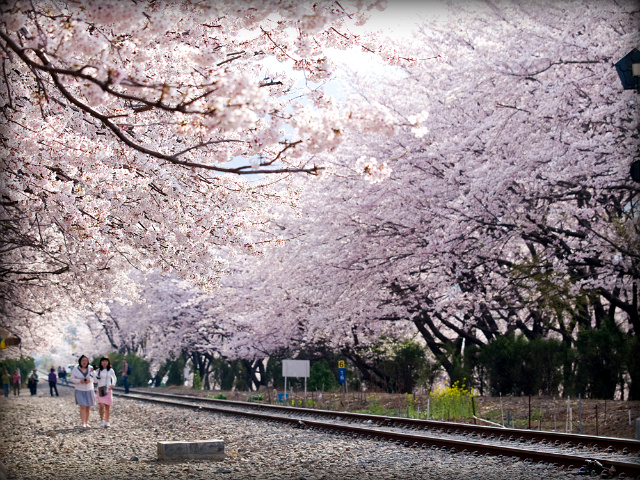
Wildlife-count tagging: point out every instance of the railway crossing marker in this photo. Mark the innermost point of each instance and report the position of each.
(342, 374)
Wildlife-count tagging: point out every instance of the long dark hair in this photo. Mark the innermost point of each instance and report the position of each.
(108, 363)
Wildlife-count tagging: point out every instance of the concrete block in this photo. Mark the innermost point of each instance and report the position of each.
(195, 450)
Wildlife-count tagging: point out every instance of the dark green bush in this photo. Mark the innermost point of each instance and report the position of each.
(24, 364)
(140, 373)
(600, 359)
(517, 366)
(632, 359)
(321, 377)
(197, 381)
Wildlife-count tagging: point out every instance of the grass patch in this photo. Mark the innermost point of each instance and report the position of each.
(220, 396)
(375, 408)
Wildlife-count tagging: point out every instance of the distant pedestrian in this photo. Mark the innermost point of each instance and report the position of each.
(81, 377)
(16, 380)
(6, 382)
(126, 370)
(53, 379)
(32, 383)
(106, 379)
(62, 376)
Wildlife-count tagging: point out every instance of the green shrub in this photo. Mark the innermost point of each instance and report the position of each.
(175, 372)
(140, 373)
(515, 365)
(220, 396)
(633, 366)
(407, 366)
(452, 402)
(24, 364)
(321, 377)
(197, 381)
(600, 359)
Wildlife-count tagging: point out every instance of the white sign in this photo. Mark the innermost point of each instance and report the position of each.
(296, 368)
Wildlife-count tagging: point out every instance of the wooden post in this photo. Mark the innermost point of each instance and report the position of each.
(580, 411)
(540, 421)
(529, 412)
(473, 405)
(570, 420)
(596, 420)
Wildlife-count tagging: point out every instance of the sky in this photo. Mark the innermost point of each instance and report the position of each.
(397, 21)
(400, 16)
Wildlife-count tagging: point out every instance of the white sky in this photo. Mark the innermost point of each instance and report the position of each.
(400, 16)
(397, 21)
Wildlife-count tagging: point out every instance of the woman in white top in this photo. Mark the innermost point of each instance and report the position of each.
(106, 379)
(81, 377)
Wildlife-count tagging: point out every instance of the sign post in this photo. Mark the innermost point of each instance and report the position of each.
(295, 368)
(342, 373)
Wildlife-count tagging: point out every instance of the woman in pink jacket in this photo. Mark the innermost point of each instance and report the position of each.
(106, 380)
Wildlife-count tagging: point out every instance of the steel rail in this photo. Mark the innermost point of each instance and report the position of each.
(593, 442)
(421, 440)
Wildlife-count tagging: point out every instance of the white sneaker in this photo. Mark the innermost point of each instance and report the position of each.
(106, 424)
(102, 423)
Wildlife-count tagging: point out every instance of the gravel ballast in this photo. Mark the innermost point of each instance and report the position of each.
(41, 438)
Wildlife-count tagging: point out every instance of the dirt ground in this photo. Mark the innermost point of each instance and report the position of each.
(547, 413)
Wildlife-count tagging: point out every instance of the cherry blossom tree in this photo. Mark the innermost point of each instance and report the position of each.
(121, 125)
(509, 204)
(506, 202)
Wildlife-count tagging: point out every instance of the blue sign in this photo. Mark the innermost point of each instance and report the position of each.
(342, 375)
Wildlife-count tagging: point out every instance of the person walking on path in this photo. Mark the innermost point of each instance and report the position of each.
(32, 383)
(53, 379)
(106, 379)
(126, 370)
(6, 382)
(16, 380)
(62, 375)
(81, 377)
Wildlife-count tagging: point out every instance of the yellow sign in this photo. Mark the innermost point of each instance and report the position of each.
(340, 363)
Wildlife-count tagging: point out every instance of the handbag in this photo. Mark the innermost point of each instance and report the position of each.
(102, 391)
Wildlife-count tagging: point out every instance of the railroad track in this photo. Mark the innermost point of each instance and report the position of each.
(606, 457)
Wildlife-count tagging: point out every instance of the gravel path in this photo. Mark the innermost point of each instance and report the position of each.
(41, 439)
